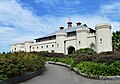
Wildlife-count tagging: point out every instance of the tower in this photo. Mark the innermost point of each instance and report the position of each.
(82, 37)
(60, 41)
(103, 38)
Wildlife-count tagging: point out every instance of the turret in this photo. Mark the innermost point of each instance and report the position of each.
(103, 38)
(60, 41)
(82, 34)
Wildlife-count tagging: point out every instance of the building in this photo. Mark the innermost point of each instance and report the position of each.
(69, 39)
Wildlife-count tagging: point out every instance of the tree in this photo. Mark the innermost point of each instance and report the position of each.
(116, 40)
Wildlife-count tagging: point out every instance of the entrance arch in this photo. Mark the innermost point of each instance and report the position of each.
(71, 49)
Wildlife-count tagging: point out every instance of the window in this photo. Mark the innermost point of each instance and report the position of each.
(79, 42)
(52, 51)
(47, 46)
(57, 45)
(41, 46)
(33, 47)
(15, 48)
(100, 39)
(37, 47)
(52, 45)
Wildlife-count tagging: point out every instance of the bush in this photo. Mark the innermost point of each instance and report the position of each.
(84, 51)
(15, 64)
(99, 69)
(106, 57)
(47, 54)
(83, 58)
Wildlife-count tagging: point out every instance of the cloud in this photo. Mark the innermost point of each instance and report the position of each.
(16, 22)
(113, 8)
(13, 14)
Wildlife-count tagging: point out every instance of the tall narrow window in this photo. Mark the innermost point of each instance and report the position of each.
(79, 42)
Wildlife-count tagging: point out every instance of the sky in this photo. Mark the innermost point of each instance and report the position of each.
(22, 20)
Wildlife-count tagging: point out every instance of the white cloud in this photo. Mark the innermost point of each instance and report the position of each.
(112, 8)
(17, 22)
(13, 14)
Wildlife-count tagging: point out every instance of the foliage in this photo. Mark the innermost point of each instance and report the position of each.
(15, 64)
(47, 54)
(116, 40)
(102, 64)
(99, 69)
(84, 51)
(83, 58)
(106, 57)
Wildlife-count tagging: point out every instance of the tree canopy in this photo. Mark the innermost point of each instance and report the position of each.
(116, 40)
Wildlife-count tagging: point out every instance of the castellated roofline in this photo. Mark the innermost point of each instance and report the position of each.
(103, 25)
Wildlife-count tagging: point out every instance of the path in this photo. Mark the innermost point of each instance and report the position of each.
(60, 75)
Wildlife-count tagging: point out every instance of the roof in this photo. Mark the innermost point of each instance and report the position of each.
(64, 30)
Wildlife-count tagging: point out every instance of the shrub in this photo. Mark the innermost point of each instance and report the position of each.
(83, 58)
(15, 64)
(99, 69)
(106, 57)
(47, 54)
(84, 51)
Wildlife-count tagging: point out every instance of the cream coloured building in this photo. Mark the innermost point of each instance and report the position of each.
(69, 39)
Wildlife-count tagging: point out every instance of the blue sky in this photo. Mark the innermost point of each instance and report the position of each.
(22, 20)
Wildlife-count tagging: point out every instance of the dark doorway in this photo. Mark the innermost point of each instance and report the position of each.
(71, 49)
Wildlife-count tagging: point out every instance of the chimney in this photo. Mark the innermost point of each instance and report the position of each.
(78, 23)
(69, 23)
(85, 25)
(61, 28)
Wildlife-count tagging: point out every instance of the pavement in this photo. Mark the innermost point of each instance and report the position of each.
(55, 74)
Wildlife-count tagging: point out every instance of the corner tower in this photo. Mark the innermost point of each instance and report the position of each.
(103, 38)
